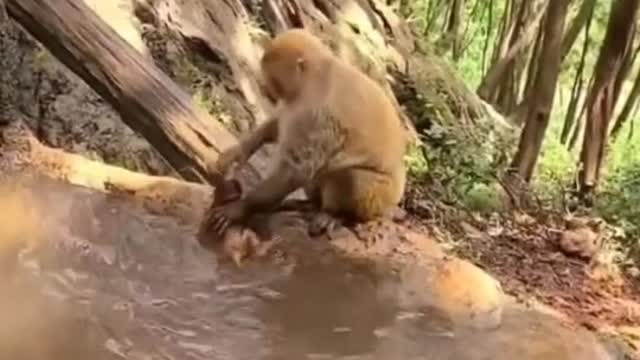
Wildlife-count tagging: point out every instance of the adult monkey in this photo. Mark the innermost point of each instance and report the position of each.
(338, 137)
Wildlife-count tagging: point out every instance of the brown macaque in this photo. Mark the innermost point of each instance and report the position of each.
(238, 241)
(338, 137)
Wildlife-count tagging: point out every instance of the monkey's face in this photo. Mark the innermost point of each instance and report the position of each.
(283, 75)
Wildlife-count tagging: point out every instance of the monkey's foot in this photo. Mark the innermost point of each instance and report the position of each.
(323, 223)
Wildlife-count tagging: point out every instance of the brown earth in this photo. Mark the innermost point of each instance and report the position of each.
(523, 253)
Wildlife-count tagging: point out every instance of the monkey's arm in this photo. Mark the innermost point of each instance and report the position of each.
(248, 145)
(302, 154)
(306, 149)
(267, 132)
(267, 194)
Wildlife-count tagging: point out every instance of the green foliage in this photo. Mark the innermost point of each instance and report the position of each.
(476, 29)
(620, 189)
(484, 198)
(456, 166)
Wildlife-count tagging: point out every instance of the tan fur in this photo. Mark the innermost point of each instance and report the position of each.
(338, 135)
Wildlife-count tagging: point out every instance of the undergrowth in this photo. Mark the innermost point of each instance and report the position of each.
(447, 162)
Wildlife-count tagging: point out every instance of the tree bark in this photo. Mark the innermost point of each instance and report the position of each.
(539, 109)
(571, 120)
(578, 23)
(601, 98)
(629, 105)
(454, 28)
(148, 101)
(498, 70)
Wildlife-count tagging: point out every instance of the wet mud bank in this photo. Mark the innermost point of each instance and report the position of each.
(128, 284)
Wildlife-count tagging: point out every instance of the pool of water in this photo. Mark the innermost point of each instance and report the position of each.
(111, 281)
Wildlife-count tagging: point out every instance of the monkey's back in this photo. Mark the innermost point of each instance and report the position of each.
(374, 134)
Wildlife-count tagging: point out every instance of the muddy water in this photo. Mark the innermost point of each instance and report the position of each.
(110, 281)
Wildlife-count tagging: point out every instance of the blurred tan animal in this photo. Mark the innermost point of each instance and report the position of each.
(238, 241)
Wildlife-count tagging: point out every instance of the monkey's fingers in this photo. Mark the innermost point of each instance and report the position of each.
(211, 218)
(220, 224)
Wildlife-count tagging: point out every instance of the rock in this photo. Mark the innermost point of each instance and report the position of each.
(459, 290)
(466, 292)
(582, 242)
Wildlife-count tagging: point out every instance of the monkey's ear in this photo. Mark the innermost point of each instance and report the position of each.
(301, 64)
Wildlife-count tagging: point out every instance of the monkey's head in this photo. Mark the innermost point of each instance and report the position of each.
(288, 60)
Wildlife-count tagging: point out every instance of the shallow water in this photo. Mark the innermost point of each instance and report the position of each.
(114, 282)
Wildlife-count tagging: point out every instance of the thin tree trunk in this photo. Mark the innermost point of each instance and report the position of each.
(533, 64)
(578, 23)
(433, 13)
(540, 106)
(454, 28)
(148, 100)
(466, 39)
(602, 99)
(496, 73)
(505, 30)
(627, 64)
(485, 48)
(570, 119)
(628, 107)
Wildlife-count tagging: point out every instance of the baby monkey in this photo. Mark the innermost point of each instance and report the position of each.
(338, 137)
(238, 242)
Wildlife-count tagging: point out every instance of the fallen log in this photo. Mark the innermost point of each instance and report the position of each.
(147, 99)
(20, 149)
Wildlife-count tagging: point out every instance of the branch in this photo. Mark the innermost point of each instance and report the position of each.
(147, 100)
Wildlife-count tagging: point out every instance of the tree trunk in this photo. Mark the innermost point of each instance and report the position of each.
(584, 15)
(571, 120)
(148, 101)
(601, 98)
(487, 39)
(629, 105)
(539, 108)
(499, 69)
(454, 28)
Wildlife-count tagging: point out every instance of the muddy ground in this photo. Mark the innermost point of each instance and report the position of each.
(529, 263)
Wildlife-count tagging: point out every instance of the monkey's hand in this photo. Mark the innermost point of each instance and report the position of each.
(219, 218)
(234, 154)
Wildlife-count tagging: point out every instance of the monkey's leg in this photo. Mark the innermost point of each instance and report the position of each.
(362, 195)
(319, 220)
(356, 196)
